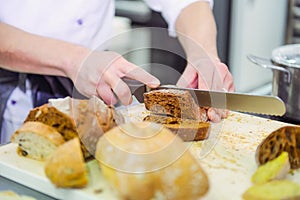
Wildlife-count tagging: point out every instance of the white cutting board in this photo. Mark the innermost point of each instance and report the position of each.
(227, 157)
(30, 173)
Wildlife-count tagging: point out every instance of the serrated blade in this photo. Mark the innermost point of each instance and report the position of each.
(249, 103)
(259, 104)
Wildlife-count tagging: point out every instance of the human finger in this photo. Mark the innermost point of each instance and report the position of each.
(227, 77)
(214, 115)
(224, 113)
(188, 79)
(139, 74)
(106, 94)
(119, 87)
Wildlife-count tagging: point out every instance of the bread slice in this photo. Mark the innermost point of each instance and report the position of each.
(66, 167)
(37, 140)
(187, 130)
(286, 139)
(175, 103)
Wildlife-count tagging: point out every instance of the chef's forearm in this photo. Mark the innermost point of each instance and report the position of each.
(196, 24)
(24, 52)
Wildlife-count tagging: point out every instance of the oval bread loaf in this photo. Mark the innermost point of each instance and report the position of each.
(146, 160)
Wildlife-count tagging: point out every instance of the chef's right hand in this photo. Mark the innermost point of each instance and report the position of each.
(208, 74)
(100, 75)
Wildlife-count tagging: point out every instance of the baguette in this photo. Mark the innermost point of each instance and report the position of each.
(37, 140)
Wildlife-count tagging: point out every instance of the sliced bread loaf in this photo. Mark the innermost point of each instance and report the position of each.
(175, 103)
(37, 140)
(286, 139)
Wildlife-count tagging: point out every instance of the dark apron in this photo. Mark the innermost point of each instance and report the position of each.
(43, 88)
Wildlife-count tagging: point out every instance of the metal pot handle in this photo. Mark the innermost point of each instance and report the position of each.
(266, 63)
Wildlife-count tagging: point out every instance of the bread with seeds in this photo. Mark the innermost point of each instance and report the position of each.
(37, 140)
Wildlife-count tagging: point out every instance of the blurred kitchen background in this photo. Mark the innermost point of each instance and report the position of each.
(244, 27)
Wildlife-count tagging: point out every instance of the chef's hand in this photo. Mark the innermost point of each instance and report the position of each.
(100, 75)
(210, 74)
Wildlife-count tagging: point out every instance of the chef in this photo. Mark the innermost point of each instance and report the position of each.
(44, 45)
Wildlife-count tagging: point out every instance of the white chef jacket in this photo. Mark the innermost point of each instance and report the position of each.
(87, 23)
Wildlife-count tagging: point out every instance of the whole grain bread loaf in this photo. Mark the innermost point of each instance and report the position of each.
(187, 130)
(286, 139)
(177, 110)
(66, 167)
(53, 117)
(37, 140)
(175, 103)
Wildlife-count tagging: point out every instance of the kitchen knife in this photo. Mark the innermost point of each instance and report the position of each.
(259, 104)
(250, 103)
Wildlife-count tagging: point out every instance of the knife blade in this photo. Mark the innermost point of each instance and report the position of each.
(249, 103)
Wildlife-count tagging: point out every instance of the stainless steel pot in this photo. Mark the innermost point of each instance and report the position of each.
(285, 64)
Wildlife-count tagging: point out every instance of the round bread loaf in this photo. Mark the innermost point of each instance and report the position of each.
(146, 160)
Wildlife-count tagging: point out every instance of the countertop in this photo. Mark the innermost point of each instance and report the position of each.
(6, 184)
